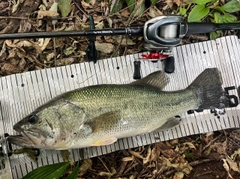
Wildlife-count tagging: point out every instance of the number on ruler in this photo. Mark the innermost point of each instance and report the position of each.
(233, 99)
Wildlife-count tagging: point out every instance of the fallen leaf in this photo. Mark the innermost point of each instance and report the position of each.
(9, 69)
(233, 165)
(236, 152)
(148, 157)
(104, 47)
(54, 8)
(71, 49)
(155, 154)
(99, 25)
(135, 154)
(108, 174)
(125, 13)
(87, 164)
(154, 12)
(225, 165)
(50, 56)
(190, 145)
(43, 42)
(178, 175)
(110, 22)
(16, 5)
(65, 7)
(3, 50)
(124, 40)
(127, 159)
(169, 3)
(47, 14)
(85, 4)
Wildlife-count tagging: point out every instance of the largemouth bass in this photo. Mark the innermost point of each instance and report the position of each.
(99, 115)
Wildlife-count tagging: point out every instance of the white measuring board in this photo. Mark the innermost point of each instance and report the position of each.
(22, 93)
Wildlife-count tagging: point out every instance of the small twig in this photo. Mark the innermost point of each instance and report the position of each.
(131, 167)
(122, 168)
(80, 9)
(12, 17)
(210, 143)
(197, 162)
(104, 164)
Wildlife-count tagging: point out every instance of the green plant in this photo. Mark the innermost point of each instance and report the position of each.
(53, 171)
(131, 4)
(211, 10)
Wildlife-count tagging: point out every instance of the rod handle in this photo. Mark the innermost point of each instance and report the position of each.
(198, 28)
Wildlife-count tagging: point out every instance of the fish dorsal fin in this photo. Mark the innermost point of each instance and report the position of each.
(157, 79)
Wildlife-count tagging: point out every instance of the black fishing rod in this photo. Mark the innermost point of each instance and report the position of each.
(131, 31)
(160, 34)
(159, 24)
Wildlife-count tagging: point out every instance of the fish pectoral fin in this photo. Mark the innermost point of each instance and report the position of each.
(105, 141)
(170, 123)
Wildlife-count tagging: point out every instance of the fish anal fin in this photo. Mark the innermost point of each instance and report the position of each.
(158, 79)
(105, 141)
(171, 122)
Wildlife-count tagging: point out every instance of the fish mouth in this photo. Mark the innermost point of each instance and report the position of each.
(20, 140)
(28, 138)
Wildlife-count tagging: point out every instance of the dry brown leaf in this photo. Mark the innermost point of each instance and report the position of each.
(43, 42)
(154, 12)
(124, 40)
(47, 14)
(178, 2)
(225, 165)
(232, 164)
(98, 19)
(135, 154)
(16, 5)
(87, 164)
(22, 63)
(108, 174)
(3, 50)
(148, 157)
(71, 49)
(85, 5)
(110, 22)
(169, 3)
(50, 56)
(12, 53)
(9, 69)
(127, 159)
(125, 13)
(99, 25)
(155, 154)
(178, 175)
(190, 145)
(237, 152)
(184, 167)
(104, 47)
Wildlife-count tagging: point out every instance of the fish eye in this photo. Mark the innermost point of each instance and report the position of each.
(32, 119)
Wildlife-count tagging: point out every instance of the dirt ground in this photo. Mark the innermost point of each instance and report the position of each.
(205, 156)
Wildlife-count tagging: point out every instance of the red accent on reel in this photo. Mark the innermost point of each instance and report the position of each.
(154, 55)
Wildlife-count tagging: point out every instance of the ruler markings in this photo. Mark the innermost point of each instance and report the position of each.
(228, 65)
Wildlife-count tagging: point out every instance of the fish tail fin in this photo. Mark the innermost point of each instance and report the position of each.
(208, 88)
